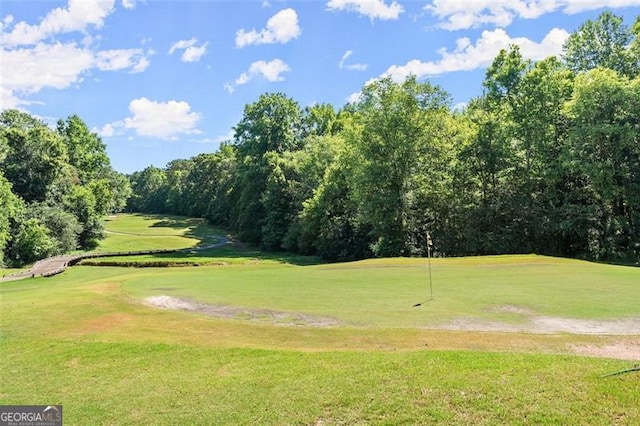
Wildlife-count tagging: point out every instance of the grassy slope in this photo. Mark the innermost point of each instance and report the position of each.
(80, 339)
(137, 232)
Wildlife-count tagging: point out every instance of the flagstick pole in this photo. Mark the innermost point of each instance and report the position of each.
(429, 245)
(430, 284)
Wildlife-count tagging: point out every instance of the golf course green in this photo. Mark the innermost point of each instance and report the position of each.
(266, 338)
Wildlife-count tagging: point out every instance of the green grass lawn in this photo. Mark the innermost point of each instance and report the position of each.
(131, 232)
(85, 340)
(381, 292)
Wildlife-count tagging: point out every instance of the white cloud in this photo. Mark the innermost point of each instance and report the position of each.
(182, 44)
(109, 130)
(32, 58)
(370, 8)
(77, 16)
(164, 120)
(128, 4)
(120, 59)
(59, 66)
(8, 100)
(192, 53)
(577, 6)
(467, 56)
(458, 15)
(270, 71)
(229, 87)
(350, 67)
(281, 28)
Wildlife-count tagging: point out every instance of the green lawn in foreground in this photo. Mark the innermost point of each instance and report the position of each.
(84, 339)
(129, 383)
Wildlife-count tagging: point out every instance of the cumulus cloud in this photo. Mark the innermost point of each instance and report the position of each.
(31, 69)
(191, 52)
(59, 65)
(109, 130)
(374, 9)
(120, 59)
(32, 59)
(577, 6)
(467, 56)
(77, 16)
(281, 28)
(270, 71)
(164, 120)
(457, 15)
(351, 67)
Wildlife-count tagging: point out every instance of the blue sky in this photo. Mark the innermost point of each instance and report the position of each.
(160, 80)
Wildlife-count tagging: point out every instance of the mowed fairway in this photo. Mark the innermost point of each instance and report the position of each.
(263, 341)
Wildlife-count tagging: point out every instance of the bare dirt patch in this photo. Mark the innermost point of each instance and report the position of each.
(624, 333)
(549, 325)
(234, 312)
(627, 349)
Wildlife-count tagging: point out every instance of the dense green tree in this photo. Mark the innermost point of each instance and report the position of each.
(10, 207)
(31, 242)
(62, 226)
(391, 137)
(36, 155)
(149, 190)
(603, 43)
(177, 172)
(270, 125)
(320, 120)
(539, 130)
(82, 203)
(87, 153)
(64, 181)
(545, 160)
(329, 223)
(605, 155)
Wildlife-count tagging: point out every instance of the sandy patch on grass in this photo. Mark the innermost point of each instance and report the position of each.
(233, 312)
(627, 349)
(549, 325)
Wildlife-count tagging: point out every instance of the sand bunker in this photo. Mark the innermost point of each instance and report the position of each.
(233, 312)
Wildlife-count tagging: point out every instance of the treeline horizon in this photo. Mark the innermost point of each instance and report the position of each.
(546, 160)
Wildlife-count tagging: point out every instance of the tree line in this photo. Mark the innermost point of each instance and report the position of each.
(546, 160)
(56, 185)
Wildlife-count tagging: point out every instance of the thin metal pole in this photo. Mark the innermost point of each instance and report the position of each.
(429, 245)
